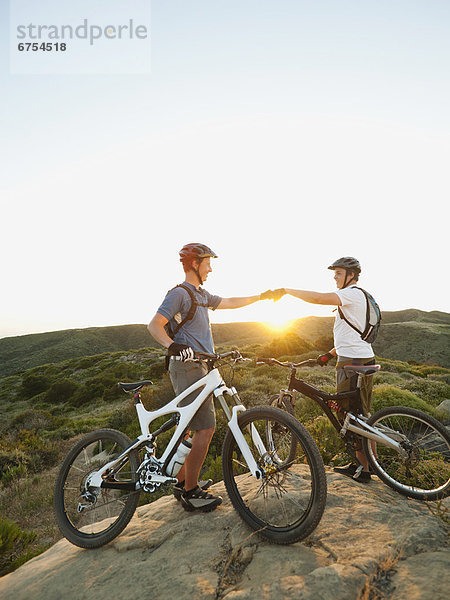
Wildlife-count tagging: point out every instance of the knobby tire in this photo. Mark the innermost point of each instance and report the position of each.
(286, 504)
(424, 473)
(107, 517)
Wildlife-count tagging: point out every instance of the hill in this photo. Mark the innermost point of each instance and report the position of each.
(404, 335)
(27, 351)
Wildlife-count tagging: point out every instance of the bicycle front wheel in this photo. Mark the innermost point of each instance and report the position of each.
(421, 469)
(91, 517)
(286, 504)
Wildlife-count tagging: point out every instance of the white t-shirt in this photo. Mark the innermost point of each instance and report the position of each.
(347, 341)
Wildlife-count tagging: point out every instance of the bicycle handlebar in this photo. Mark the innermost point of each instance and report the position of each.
(235, 354)
(312, 362)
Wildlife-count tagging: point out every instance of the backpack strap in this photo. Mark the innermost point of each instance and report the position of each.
(191, 311)
(341, 314)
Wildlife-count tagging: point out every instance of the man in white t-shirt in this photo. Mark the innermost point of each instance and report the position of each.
(349, 348)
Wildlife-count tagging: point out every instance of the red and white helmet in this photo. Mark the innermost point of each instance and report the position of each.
(196, 251)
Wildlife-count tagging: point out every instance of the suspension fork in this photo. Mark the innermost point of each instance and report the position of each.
(236, 431)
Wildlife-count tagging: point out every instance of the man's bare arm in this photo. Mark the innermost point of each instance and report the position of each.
(156, 329)
(238, 302)
(316, 297)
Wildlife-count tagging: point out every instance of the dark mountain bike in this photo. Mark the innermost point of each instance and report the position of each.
(408, 449)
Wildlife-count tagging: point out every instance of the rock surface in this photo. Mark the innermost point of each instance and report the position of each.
(444, 407)
(371, 543)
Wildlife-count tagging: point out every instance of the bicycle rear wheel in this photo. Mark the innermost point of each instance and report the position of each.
(91, 517)
(287, 503)
(424, 470)
(284, 403)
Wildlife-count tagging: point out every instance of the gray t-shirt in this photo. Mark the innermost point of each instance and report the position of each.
(195, 333)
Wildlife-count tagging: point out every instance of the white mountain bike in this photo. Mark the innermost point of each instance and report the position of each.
(278, 493)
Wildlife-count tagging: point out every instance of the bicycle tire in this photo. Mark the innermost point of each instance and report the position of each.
(424, 474)
(110, 510)
(285, 404)
(287, 503)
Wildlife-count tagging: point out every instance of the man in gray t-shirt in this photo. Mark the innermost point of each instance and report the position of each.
(196, 332)
(193, 336)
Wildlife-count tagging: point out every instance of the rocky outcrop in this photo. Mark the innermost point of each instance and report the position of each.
(371, 543)
(444, 408)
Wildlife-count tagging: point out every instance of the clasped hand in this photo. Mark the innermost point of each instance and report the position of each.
(273, 294)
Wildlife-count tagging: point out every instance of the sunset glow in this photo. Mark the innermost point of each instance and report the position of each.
(280, 326)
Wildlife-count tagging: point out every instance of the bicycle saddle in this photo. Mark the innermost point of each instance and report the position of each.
(362, 369)
(134, 387)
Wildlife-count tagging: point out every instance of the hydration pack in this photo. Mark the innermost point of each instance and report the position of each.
(373, 318)
(190, 314)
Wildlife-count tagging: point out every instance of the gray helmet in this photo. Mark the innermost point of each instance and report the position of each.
(346, 262)
(195, 250)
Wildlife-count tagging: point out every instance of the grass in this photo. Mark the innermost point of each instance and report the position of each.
(379, 586)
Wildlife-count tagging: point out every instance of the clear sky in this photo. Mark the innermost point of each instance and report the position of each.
(282, 133)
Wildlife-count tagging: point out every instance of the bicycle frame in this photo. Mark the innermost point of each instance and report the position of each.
(352, 422)
(212, 383)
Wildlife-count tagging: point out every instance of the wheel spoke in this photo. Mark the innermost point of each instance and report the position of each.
(279, 503)
(425, 471)
(92, 517)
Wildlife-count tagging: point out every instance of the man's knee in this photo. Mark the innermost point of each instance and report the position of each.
(204, 435)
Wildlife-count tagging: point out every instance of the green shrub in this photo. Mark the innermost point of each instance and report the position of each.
(61, 391)
(289, 344)
(306, 409)
(91, 391)
(86, 362)
(13, 546)
(41, 453)
(11, 459)
(431, 391)
(156, 396)
(13, 473)
(33, 384)
(326, 438)
(156, 370)
(111, 393)
(212, 468)
(419, 370)
(126, 371)
(388, 395)
(123, 417)
(425, 370)
(31, 419)
(324, 342)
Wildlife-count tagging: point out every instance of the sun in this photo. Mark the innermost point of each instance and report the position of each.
(278, 325)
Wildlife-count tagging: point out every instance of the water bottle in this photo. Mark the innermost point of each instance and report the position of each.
(177, 460)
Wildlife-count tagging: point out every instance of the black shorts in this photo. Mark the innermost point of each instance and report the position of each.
(184, 374)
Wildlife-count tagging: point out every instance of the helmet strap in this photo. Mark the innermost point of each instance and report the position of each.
(347, 273)
(198, 276)
(197, 272)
